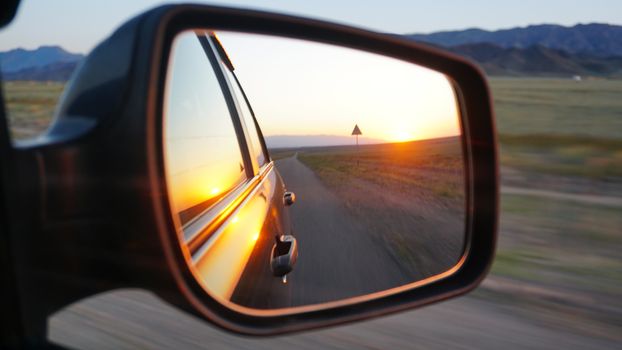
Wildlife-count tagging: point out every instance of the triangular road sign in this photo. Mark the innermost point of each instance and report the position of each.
(356, 130)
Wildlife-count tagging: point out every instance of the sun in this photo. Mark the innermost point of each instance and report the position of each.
(401, 135)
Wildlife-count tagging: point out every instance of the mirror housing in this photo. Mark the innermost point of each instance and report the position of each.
(89, 210)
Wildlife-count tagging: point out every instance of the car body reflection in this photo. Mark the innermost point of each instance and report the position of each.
(224, 257)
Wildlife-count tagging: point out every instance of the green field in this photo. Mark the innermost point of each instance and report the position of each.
(560, 126)
(564, 136)
(530, 106)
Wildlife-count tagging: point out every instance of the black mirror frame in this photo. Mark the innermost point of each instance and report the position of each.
(8, 9)
(92, 190)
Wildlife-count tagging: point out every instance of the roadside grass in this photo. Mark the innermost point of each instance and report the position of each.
(561, 228)
(559, 126)
(280, 153)
(584, 156)
(528, 106)
(434, 166)
(559, 263)
(30, 106)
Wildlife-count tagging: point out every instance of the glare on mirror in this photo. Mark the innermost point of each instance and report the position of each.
(358, 189)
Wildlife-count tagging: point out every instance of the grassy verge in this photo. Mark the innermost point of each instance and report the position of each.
(584, 156)
(433, 167)
(30, 106)
(558, 107)
(277, 154)
(558, 262)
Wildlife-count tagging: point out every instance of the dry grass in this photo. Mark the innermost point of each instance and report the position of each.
(583, 156)
(427, 168)
(30, 106)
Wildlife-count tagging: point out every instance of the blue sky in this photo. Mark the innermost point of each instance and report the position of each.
(79, 25)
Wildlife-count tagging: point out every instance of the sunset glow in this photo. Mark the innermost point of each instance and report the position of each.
(194, 123)
(401, 136)
(224, 261)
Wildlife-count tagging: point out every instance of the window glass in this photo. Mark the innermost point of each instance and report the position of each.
(203, 157)
(248, 120)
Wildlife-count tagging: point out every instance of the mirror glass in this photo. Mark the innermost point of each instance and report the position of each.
(301, 173)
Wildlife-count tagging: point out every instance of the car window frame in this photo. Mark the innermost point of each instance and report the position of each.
(245, 175)
(200, 228)
(226, 64)
(247, 118)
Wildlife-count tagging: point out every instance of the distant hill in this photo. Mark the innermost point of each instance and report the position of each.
(44, 63)
(59, 71)
(287, 141)
(538, 60)
(595, 39)
(539, 50)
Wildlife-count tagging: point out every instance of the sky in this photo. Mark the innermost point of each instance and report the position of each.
(302, 88)
(78, 25)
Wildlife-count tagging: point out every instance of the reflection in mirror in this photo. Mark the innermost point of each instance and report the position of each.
(364, 190)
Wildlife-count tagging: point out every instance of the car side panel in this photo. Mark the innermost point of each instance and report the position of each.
(257, 287)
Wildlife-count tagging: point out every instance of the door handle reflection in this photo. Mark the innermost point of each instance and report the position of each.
(284, 256)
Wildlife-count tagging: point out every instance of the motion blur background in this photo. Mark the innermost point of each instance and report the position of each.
(557, 278)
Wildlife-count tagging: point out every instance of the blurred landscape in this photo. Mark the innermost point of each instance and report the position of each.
(30, 106)
(558, 260)
(557, 277)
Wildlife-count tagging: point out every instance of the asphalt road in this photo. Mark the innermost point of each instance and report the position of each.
(131, 319)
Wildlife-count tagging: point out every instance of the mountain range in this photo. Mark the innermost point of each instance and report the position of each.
(595, 39)
(542, 50)
(539, 50)
(43, 63)
(538, 60)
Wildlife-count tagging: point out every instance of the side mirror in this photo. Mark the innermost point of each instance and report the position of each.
(132, 187)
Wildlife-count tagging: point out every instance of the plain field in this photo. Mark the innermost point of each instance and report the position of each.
(558, 262)
(30, 106)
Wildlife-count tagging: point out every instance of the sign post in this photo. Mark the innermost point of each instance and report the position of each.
(357, 132)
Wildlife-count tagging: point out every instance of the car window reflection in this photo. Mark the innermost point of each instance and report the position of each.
(204, 161)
